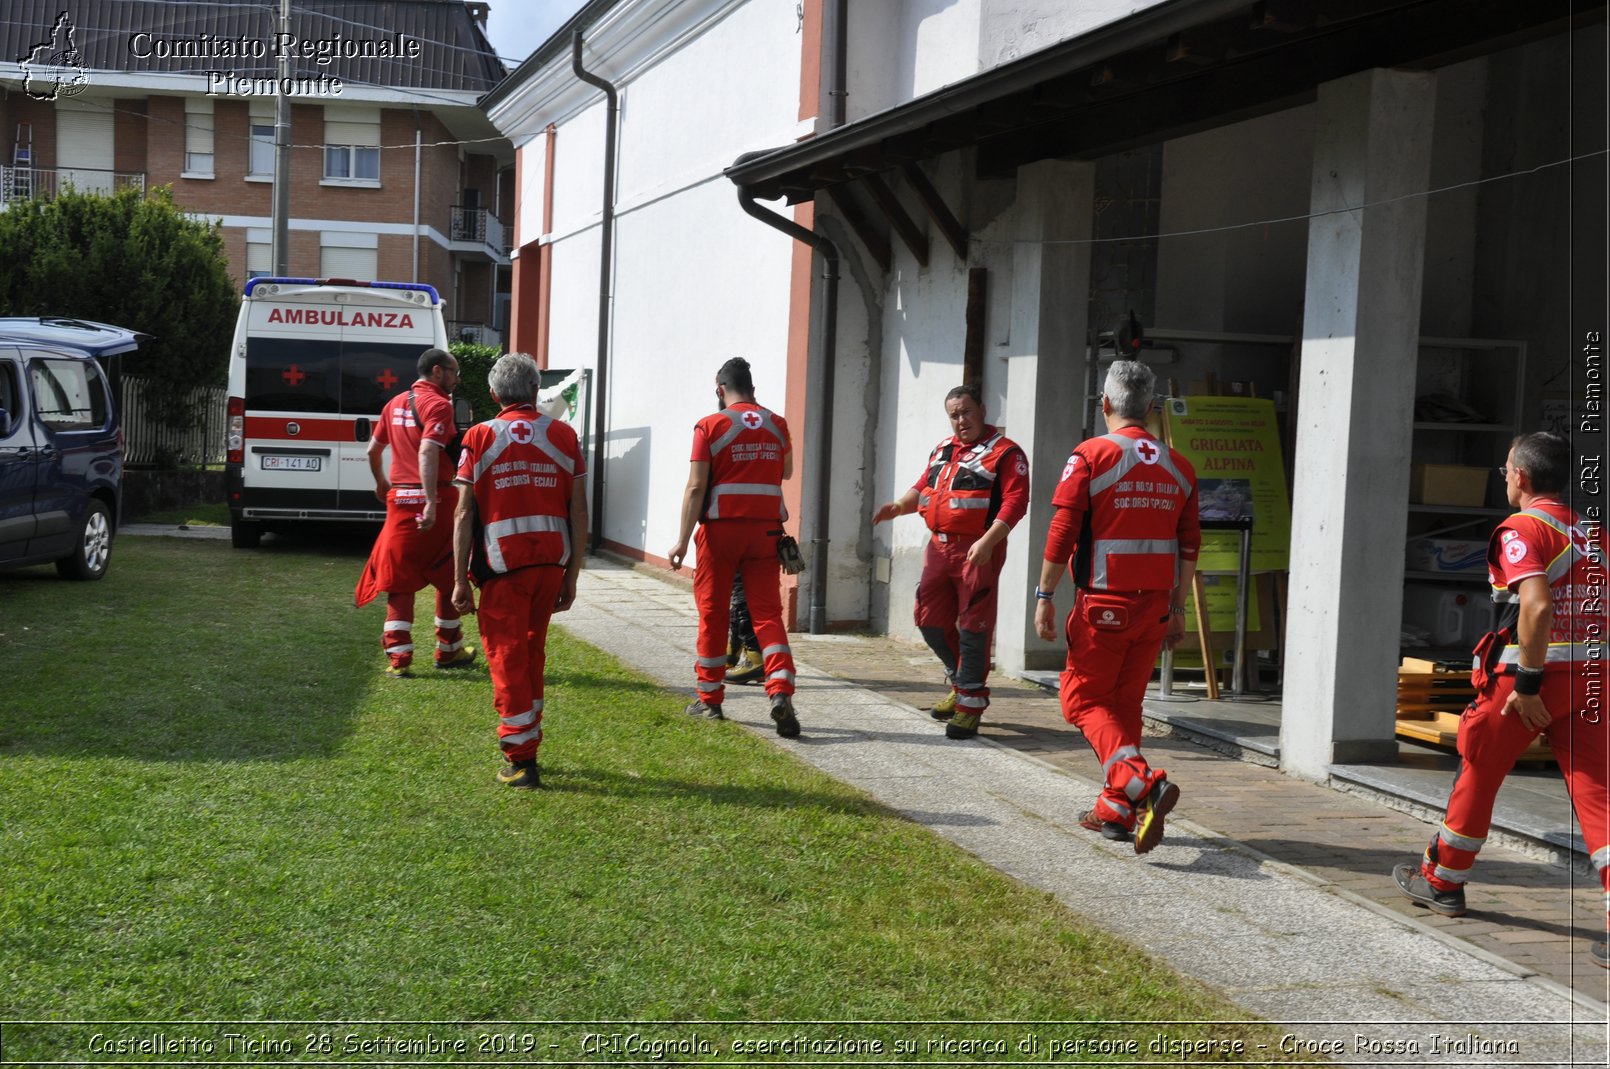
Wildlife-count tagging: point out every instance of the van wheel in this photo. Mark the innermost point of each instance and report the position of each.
(93, 553)
(244, 534)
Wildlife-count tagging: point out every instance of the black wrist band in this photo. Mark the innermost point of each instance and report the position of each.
(1528, 681)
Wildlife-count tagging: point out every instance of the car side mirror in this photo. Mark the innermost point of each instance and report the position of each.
(463, 413)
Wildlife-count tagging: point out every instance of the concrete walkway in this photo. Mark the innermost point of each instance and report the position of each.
(1274, 891)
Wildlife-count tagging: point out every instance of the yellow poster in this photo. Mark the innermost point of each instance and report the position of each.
(1221, 601)
(1234, 444)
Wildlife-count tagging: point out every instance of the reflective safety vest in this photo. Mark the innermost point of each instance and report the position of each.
(747, 446)
(521, 467)
(1130, 539)
(963, 493)
(1575, 569)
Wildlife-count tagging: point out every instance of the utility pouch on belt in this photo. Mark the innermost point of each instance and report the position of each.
(1485, 664)
(788, 555)
(1104, 614)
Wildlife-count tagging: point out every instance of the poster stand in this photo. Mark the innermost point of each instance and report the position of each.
(1234, 438)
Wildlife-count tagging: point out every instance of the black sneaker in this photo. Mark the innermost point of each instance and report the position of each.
(1599, 954)
(1157, 804)
(1412, 882)
(782, 712)
(522, 774)
(704, 710)
(1109, 829)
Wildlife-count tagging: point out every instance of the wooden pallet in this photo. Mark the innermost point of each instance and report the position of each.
(1430, 699)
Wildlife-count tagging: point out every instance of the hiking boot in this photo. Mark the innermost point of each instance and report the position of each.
(1416, 888)
(1109, 829)
(962, 726)
(1153, 808)
(945, 707)
(704, 710)
(732, 654)
(398, 671)
(750, 667)
(462, 657)
(1599, 954)
(782, 713)
(522, 774)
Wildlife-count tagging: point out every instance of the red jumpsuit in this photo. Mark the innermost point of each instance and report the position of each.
(1545, 539)
(744, 445)
(1127, 502)
(521, 468)
(404, 558)
(963, 490)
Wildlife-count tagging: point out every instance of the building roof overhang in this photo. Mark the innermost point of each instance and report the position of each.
(1172, 69)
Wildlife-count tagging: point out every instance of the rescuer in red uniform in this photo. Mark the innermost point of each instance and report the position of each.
(973, 491)
(741, 455)
(413, 550)
(519, 531)
(1126, 524)
(1543, 670)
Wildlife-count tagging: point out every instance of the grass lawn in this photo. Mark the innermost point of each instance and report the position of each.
(214, 807)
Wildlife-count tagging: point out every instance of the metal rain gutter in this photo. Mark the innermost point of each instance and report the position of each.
(605, 262)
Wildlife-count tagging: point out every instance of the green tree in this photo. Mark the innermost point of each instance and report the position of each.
(134, 260)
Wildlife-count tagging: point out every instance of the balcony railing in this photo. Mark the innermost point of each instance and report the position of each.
(25, 183)
(478, 225)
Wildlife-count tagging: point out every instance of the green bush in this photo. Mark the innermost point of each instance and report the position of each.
(136, 261)
(474, 363)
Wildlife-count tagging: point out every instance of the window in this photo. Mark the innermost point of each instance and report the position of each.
(348, 255)
(261, 161)
(259, 253)
(352, 161)
(352, 145)
(67, 396)
(198, 137)
(10, 411)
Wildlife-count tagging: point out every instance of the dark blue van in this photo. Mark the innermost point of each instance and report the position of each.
(61, 447)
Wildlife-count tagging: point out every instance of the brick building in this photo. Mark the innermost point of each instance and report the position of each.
(395, 173)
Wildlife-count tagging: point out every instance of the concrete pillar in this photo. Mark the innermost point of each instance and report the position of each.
(1045, 379)
(1361, 320)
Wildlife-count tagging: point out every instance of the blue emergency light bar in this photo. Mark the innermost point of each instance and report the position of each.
(420, 287)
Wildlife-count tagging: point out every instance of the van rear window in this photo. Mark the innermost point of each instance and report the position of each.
(301, 375)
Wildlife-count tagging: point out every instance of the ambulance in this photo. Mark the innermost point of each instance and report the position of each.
(313, 362)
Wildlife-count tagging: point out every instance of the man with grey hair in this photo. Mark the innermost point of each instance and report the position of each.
(1126, 524)
(519, 531)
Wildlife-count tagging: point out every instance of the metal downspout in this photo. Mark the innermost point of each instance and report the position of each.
(605, 257)
(823, 461)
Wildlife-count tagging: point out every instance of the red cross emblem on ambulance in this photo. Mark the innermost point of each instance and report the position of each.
(521, 431)
(752, 420)
(1147, 452)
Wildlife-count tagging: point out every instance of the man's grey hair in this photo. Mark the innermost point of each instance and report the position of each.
(1130, 385)
(515, 379)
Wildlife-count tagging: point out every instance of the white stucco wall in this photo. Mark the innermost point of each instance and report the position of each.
(702, 282)
(1010, 29)
(903, 49)
(695, 280)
